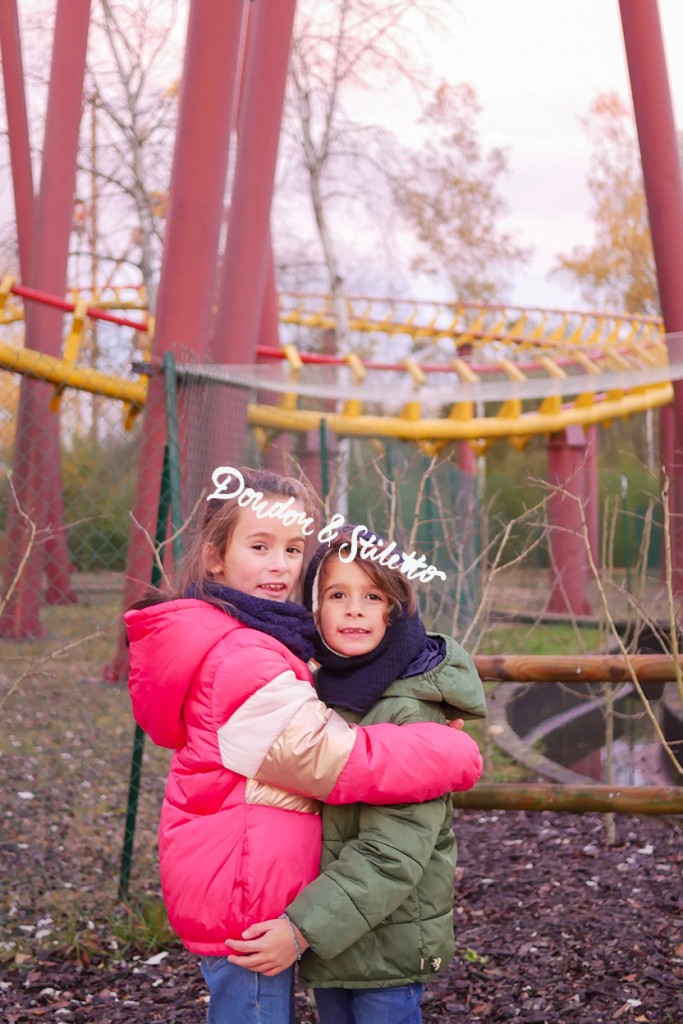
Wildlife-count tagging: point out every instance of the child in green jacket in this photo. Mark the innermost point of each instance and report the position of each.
(379, 918)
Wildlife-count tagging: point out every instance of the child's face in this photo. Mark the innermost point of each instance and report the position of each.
(263, 557)
(353, 611)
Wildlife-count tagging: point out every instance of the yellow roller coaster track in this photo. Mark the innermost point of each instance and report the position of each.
(459, 372)
(468, 325)
(445, 372)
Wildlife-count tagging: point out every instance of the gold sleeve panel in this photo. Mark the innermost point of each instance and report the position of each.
(310, 752)
(268, 796)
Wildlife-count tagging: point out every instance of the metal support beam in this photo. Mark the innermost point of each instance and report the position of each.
(200, 160)
(592, 479)
(567, 537)
(245, 264)
(36, 461)
(664, 192)
(17, 130)
(189, 271)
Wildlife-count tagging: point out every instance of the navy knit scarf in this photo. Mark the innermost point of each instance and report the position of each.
(357, 683)
(286, 621)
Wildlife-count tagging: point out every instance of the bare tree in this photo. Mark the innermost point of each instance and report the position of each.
(616, 270)
(340, 52)
(128, 143)
(447, 191)
(127, 132)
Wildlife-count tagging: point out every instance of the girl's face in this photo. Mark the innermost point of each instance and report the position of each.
(353, 611)
(263, 557)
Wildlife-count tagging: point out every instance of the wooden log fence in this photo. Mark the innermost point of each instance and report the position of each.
(593, 797)
(587, 668)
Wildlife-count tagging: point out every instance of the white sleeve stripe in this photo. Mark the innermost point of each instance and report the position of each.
(247, 736)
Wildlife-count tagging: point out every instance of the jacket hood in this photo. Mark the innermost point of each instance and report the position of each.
(454, 683)
(168, 642)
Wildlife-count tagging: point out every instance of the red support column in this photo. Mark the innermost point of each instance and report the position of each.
(247, 247)
(50, 253)
(664, 192)
(36, 459)
(17, 130)
(567, 537)
(467, 460)
(592, 480)
(187, 288)
(277, 455)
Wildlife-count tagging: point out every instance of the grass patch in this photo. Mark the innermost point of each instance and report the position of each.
(142, 926)
(541, 638)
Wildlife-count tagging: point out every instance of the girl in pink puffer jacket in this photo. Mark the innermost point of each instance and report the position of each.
(218, 674)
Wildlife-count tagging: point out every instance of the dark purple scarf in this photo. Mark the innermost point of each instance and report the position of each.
(357, 683)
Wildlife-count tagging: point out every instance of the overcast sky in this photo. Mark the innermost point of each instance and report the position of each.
(537, 65)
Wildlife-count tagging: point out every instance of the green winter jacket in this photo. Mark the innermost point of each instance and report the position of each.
(381, 912)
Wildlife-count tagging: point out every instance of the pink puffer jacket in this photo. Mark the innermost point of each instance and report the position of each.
(254, 750)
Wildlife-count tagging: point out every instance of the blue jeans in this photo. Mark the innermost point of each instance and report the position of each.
(399, 1005)
(239, 996)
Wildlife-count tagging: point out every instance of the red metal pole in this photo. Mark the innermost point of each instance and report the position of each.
(187, 288)
(36, 460)
(467, 460)
(200, 161)
(50, 251)
(592, 483)
(277, 455)
(664, 192)
(54, 211)
(247, 247)
(567, 537)
(17, 129)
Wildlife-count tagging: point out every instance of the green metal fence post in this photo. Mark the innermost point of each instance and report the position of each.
(324, 466)
(170, 499)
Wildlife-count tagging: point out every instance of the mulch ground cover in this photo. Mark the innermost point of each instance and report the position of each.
(553, 927)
